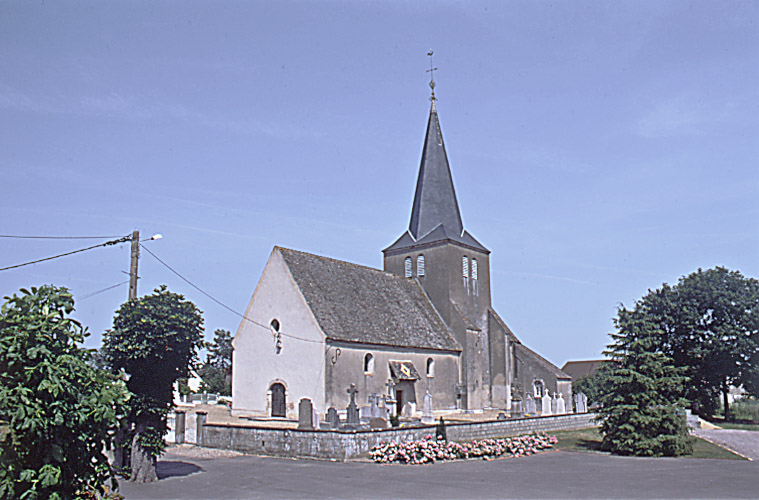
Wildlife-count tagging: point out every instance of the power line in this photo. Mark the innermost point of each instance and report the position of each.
(91, 294)
(107, 243)
(57, 237)
(196, 287)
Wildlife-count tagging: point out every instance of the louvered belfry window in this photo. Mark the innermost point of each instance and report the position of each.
(420, 265)
(465, 266)
(408, 267)
(474, 269)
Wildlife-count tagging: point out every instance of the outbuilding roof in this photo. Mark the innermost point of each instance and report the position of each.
(359, 304)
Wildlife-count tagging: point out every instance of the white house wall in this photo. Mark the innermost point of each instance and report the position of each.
(256, 365)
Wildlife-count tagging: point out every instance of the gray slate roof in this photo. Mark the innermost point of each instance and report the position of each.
(523, 352)
(435, 214)
(354, 303)
(435, 198)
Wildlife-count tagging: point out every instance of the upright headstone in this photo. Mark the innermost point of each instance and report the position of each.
(427, 416)
(561, 405)
(305, 414)
(365, 413)
(581, 403)
(333, 418)
(516, 407)
(375, 410)
(530, 406)
(352, 410)
(179, 426)
(554, 404)
(546, 402)
(200, 422)
(314, 418)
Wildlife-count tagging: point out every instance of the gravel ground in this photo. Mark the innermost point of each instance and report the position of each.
(745, 443)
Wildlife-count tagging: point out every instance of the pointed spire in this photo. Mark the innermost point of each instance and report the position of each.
(435, 199)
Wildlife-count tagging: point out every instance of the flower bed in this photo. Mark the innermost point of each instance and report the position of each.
(429, 450)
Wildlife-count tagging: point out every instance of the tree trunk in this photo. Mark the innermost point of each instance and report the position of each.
(725, 391)
(143, 463)
(120, 459)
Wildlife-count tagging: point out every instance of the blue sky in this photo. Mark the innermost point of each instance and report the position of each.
(598, 149)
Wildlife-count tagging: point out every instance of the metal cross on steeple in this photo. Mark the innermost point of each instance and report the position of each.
(431, 71)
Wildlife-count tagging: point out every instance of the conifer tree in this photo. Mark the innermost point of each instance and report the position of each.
(640, 413)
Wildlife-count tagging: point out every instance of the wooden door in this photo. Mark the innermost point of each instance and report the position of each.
(278, 403)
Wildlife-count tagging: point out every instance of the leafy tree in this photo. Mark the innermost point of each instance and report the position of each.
(56, 408)
(155, 340)
(216, 372)
(709, 325)
(639, 414)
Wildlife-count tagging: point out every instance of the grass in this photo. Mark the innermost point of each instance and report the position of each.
(590, 440)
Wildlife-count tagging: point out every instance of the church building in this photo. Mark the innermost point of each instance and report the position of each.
(424, 323)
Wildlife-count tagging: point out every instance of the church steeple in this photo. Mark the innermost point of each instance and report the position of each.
(435, 199)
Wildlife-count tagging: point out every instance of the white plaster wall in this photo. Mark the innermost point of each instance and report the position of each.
(256, 365)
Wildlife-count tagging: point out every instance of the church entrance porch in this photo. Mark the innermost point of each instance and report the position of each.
(404, 376)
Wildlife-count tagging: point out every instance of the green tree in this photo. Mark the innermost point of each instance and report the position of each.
(56, 408)
(709, 325)
(639, 414)
(216, 372)
(155, 340)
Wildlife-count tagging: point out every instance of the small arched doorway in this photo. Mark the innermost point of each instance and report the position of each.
(278, 402)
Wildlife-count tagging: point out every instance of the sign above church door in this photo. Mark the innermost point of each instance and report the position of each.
(403, 370)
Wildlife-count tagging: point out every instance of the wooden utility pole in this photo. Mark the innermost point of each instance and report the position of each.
(133, 265)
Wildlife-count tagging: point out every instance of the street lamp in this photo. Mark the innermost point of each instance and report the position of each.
(134, 258)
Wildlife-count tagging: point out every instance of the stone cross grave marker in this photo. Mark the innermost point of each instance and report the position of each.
(554, 404)
(353, 416)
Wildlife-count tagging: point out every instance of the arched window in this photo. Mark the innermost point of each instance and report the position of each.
(538, 388)
(368, 364)
(430, 367)
(274, 327)
(408, 267)
(465, 266)
(420, 265)
(474, 269)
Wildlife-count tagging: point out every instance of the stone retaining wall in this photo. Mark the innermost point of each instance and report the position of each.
(342, 446)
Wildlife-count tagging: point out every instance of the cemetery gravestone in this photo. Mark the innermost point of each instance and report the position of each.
(305, 414)
(333, 418)
(546, 401)
(554, 404)
(561, 405)
(353, 415)
(427, 416)
(530, 408)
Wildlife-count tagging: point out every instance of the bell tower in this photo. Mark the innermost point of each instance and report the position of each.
(449, 263)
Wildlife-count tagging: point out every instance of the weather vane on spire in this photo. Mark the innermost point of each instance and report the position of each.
(431, 71)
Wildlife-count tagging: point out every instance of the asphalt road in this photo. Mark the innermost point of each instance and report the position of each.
(547, 475)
